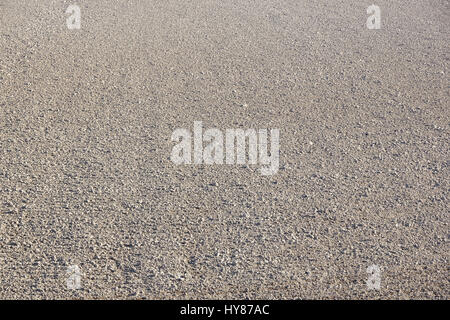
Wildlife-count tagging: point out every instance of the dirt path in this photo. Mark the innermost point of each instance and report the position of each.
(86, 118)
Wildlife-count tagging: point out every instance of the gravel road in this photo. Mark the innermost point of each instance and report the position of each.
(86, 179)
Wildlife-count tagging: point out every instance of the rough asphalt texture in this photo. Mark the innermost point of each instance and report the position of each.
(86, 118)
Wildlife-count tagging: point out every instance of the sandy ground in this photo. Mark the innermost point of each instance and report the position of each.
(86, 118)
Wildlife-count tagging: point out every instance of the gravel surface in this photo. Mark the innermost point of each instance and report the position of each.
(86, 118)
